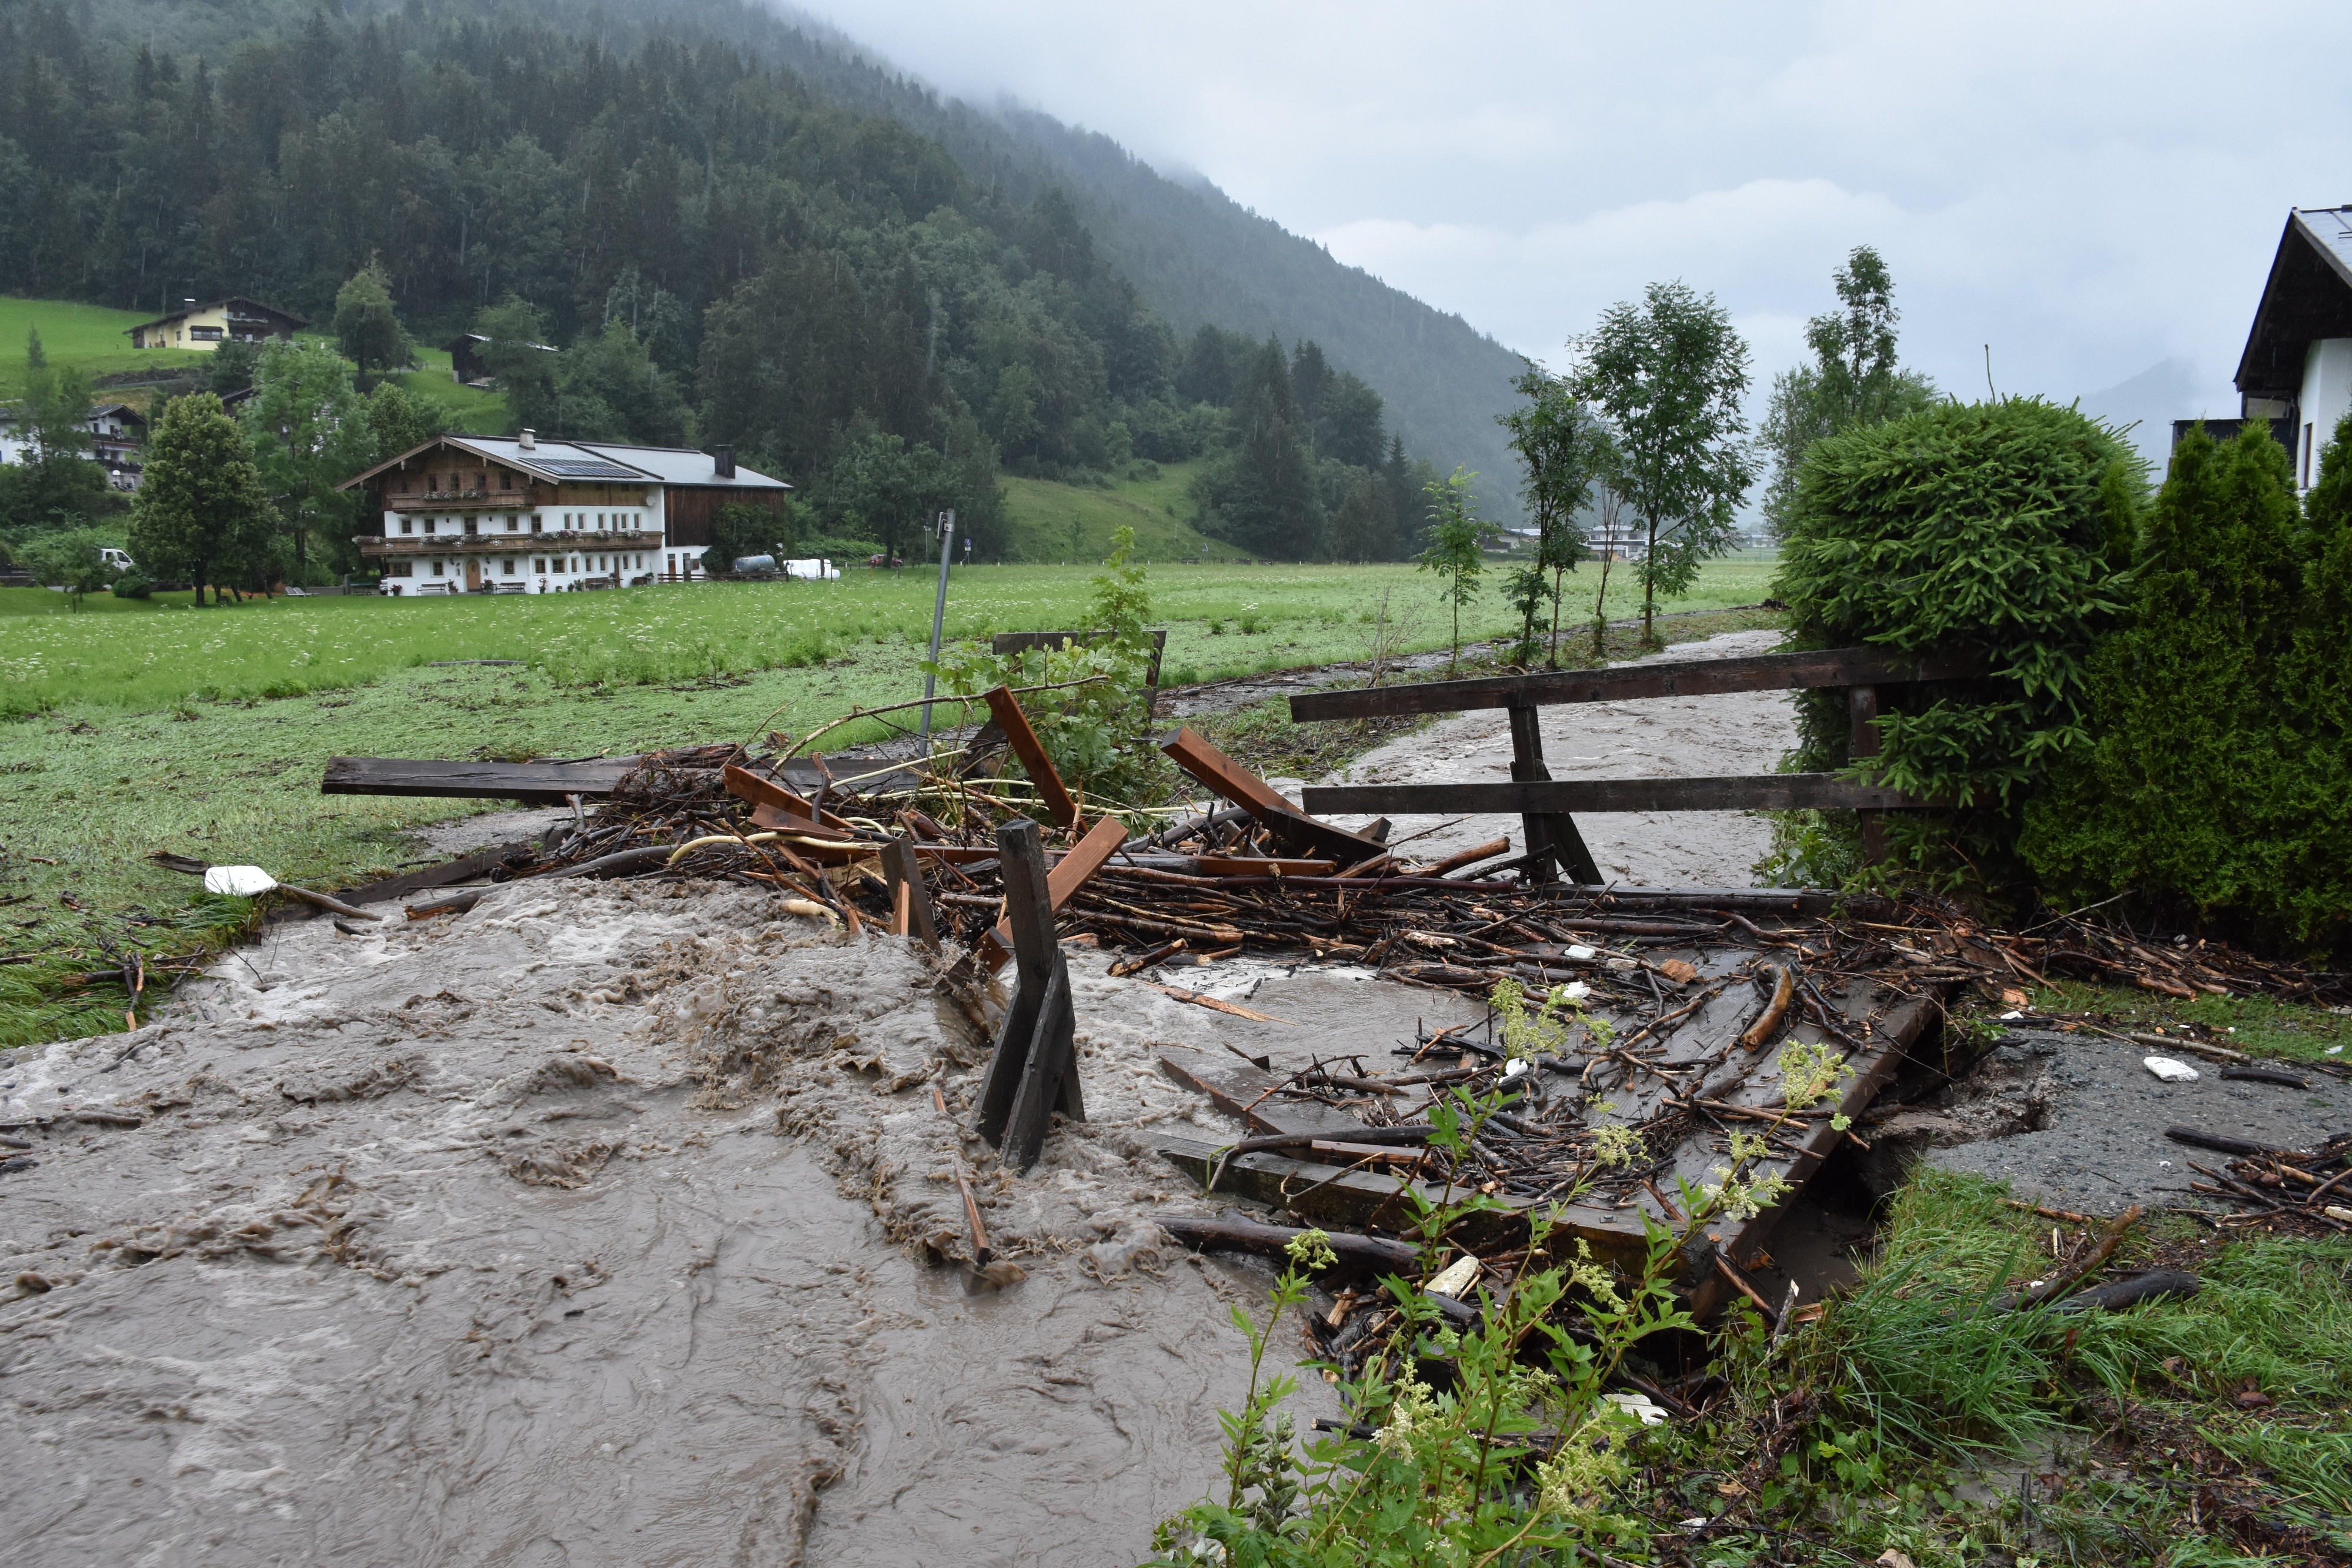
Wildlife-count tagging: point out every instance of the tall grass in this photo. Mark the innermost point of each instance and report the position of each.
(164, 654)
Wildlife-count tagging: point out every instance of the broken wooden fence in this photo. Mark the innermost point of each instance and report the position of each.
(1548, 807)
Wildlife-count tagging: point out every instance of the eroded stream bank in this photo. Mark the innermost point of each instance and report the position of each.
(594, 1226)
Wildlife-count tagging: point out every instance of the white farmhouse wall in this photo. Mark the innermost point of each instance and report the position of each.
(2326, 396)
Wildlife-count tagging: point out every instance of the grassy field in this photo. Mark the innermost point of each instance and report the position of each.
(1056, 522)
(1224, 620)
(469, 410)
(149, 725)
(88, 336)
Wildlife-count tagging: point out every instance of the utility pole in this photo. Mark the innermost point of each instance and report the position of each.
(939, 617)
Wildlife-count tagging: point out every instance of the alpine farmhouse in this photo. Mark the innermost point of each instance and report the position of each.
(482, 514)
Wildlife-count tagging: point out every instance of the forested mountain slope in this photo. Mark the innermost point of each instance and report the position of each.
(735, 232)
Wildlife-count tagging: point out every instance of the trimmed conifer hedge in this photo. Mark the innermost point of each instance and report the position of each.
(2219, 781)
(2000, 529)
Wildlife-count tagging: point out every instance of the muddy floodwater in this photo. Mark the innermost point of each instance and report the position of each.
(610, 1224)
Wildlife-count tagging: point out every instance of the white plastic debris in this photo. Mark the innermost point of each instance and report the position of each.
(1576, 990)
(1455, 1278)
(1577, 950)
(1516, 1067)
(239, 881)
(2011, 1015)
(2333, 1050)
(2171, 1071)
(1639, 1407)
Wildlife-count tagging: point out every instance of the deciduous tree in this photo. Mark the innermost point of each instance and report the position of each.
(367, 327)
(1563, 449)
(1668, 375)
(309, 430)
(1853, 380)
(1458, 538)
(202, 511)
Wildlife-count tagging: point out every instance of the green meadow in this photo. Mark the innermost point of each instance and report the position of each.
(138, 726)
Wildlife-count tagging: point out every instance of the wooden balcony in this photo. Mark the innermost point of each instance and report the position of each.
(502, 543)
(466, 501)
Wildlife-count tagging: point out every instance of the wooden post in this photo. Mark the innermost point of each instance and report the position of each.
(1033, 1069)
(1552, 837)
(910, 900)
(1861, 713)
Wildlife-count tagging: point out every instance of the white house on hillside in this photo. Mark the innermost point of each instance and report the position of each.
(487, 514)
(2296, 371)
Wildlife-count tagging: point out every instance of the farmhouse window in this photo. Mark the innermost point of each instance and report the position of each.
(408, 525)
(428, 525)
(539, 565)
(401, 569)
(205, 334)
(436, 569)
(507, 566)
(514, 525)
(470, 527)
(536, 525)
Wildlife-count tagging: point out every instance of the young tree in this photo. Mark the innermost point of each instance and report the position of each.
(1458, 538)
(202, 511)
(398, 422)
(1852, 380)
(1563, 449)
(1668, 375)
(367, 327)
(57, 486)
(69, 559)
(309, 430)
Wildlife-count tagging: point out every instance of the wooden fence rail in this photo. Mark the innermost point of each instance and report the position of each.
(1545, 806)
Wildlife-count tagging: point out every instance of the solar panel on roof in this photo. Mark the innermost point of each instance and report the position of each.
(584, 468)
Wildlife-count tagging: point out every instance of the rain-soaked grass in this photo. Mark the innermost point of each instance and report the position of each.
(153, 726)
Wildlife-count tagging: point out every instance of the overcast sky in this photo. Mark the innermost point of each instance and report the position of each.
(2090, 189)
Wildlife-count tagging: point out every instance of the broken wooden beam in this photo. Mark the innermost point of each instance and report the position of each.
(1743, 792)
(910, 898)
(1069, 874)
(1375, 1253)
(1005, 709)
(1295, 830)
(1680, 678)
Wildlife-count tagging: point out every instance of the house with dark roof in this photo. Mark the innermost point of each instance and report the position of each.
(2296, 371)
(205, 327)
(492, 514)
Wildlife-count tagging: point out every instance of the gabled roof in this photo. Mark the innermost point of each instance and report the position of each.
(187, 310)
(2307, 297)
(602, 461)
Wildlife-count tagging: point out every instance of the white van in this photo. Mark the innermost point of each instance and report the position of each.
(116, 560)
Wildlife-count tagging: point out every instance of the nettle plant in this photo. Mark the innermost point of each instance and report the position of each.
(1489, 1444)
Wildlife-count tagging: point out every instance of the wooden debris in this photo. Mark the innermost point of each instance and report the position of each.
(1033, 1069)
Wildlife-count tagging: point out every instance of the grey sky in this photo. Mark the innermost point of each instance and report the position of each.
(2090, 189)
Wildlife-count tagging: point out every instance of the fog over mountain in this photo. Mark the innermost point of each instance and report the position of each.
(2090, 189)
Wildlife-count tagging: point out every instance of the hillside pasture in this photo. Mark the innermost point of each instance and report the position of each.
(90, 338)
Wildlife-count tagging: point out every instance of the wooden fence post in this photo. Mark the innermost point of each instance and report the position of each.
(1861, 713)
(1033, 1069)
(1551, 837)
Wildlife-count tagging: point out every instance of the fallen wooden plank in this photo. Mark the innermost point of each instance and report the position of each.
(1295, 832)
(1007, 710)
(1687, 677)
(775, 803)
(1750, 792)
(1247, 1092)
(466, 868)
(533, 783)
(1070, 874)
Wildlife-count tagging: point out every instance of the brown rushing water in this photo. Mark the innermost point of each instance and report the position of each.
(601, 1225)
